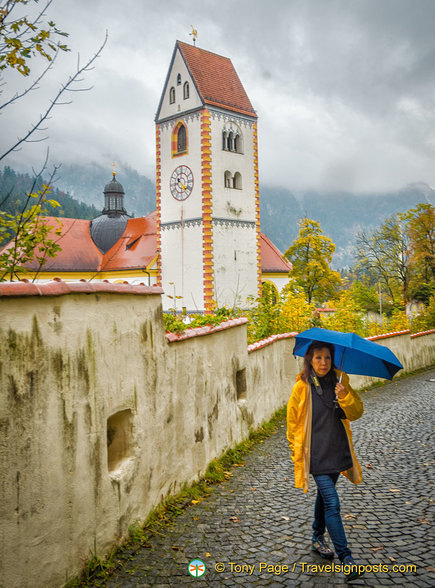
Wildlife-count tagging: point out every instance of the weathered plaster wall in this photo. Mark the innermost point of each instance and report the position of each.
(102, 415)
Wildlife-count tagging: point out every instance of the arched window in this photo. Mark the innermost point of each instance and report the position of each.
(232, 138)
(269, 292)
(186, 90)
(181, 139)
(230, 142)
(172, 95)
(178, 79)
(237, 143)
(237, 181)
(228, 179)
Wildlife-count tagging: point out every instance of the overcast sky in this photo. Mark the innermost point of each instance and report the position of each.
(344, 89)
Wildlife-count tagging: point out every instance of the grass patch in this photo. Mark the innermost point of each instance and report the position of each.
(98, 570)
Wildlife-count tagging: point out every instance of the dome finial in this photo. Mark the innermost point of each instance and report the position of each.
(114, 171)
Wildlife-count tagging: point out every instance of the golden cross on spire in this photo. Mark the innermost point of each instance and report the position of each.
(194, 34)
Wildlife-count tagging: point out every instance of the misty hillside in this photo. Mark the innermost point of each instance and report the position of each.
(86, 183)
(341, 214)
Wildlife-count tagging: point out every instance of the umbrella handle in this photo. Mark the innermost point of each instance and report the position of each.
(341, 362)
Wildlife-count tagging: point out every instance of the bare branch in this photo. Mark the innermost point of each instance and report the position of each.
(33, 85)
(56, 101)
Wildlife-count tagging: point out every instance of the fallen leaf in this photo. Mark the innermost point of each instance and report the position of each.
(369, 466)
(195, 518)
(392, 558)
(207, 555)
(177, 548)
(285, 479)
(235, 519)
(253, 489)
(238, 465)
(376, 548)
(423, 521)
(195, 501)
(394, 489)
(286, 518)
(350, 516)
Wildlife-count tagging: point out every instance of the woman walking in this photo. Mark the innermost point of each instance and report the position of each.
(319, 410)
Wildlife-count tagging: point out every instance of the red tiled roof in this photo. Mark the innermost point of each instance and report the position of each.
(79, 253)
(137, 246)
(271, 257)
(216, 79)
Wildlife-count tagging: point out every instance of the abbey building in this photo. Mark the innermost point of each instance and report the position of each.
(203, 244)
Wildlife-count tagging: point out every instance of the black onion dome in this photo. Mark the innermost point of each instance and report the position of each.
(114, 186)
(107, 228)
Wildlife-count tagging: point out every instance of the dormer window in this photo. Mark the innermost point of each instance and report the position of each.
(172, 95)
(179, 80)
(186, 90)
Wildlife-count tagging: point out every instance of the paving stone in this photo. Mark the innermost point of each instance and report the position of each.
(394, 435)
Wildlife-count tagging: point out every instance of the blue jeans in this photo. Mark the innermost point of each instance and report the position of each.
(327, 514)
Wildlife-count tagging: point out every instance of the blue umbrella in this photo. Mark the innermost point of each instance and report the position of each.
(353, 354)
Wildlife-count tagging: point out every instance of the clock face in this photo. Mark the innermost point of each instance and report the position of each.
(181, 182)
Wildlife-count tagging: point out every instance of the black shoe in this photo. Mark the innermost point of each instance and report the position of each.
(319, 544)
(351, 571)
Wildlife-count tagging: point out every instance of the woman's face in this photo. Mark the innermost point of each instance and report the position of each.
(321, 361)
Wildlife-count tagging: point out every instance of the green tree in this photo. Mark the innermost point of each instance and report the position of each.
(420, 229)
(347, 316)
(311, 255)
(263, 314)
(29, 236)
(296, 314)
(383, 256)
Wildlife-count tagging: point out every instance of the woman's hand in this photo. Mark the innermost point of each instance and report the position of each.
(340, 390)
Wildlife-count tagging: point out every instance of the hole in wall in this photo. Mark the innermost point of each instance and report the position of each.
(241, 387)
(119, 438)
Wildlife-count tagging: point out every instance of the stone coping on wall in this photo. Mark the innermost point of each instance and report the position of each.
(205, 330)
(422, 333)
(58, 287)
(386, 335)
(264, 342)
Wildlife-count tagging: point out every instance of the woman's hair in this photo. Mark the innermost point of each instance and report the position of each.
(306, 371)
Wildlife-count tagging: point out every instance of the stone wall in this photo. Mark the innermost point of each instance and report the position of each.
(102, 415)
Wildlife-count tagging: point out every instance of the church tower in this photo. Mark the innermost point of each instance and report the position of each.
(208, 213)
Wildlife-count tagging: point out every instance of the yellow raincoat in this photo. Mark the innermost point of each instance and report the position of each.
(299, 416)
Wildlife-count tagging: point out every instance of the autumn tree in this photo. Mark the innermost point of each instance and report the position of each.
(420, 229)
(311, 256)
(382, 256)
(24, 42)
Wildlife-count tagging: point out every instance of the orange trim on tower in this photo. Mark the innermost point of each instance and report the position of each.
(207, 229)
(257, 206)
(158, 205)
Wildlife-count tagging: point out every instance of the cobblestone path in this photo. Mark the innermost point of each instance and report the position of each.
(259, 517)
